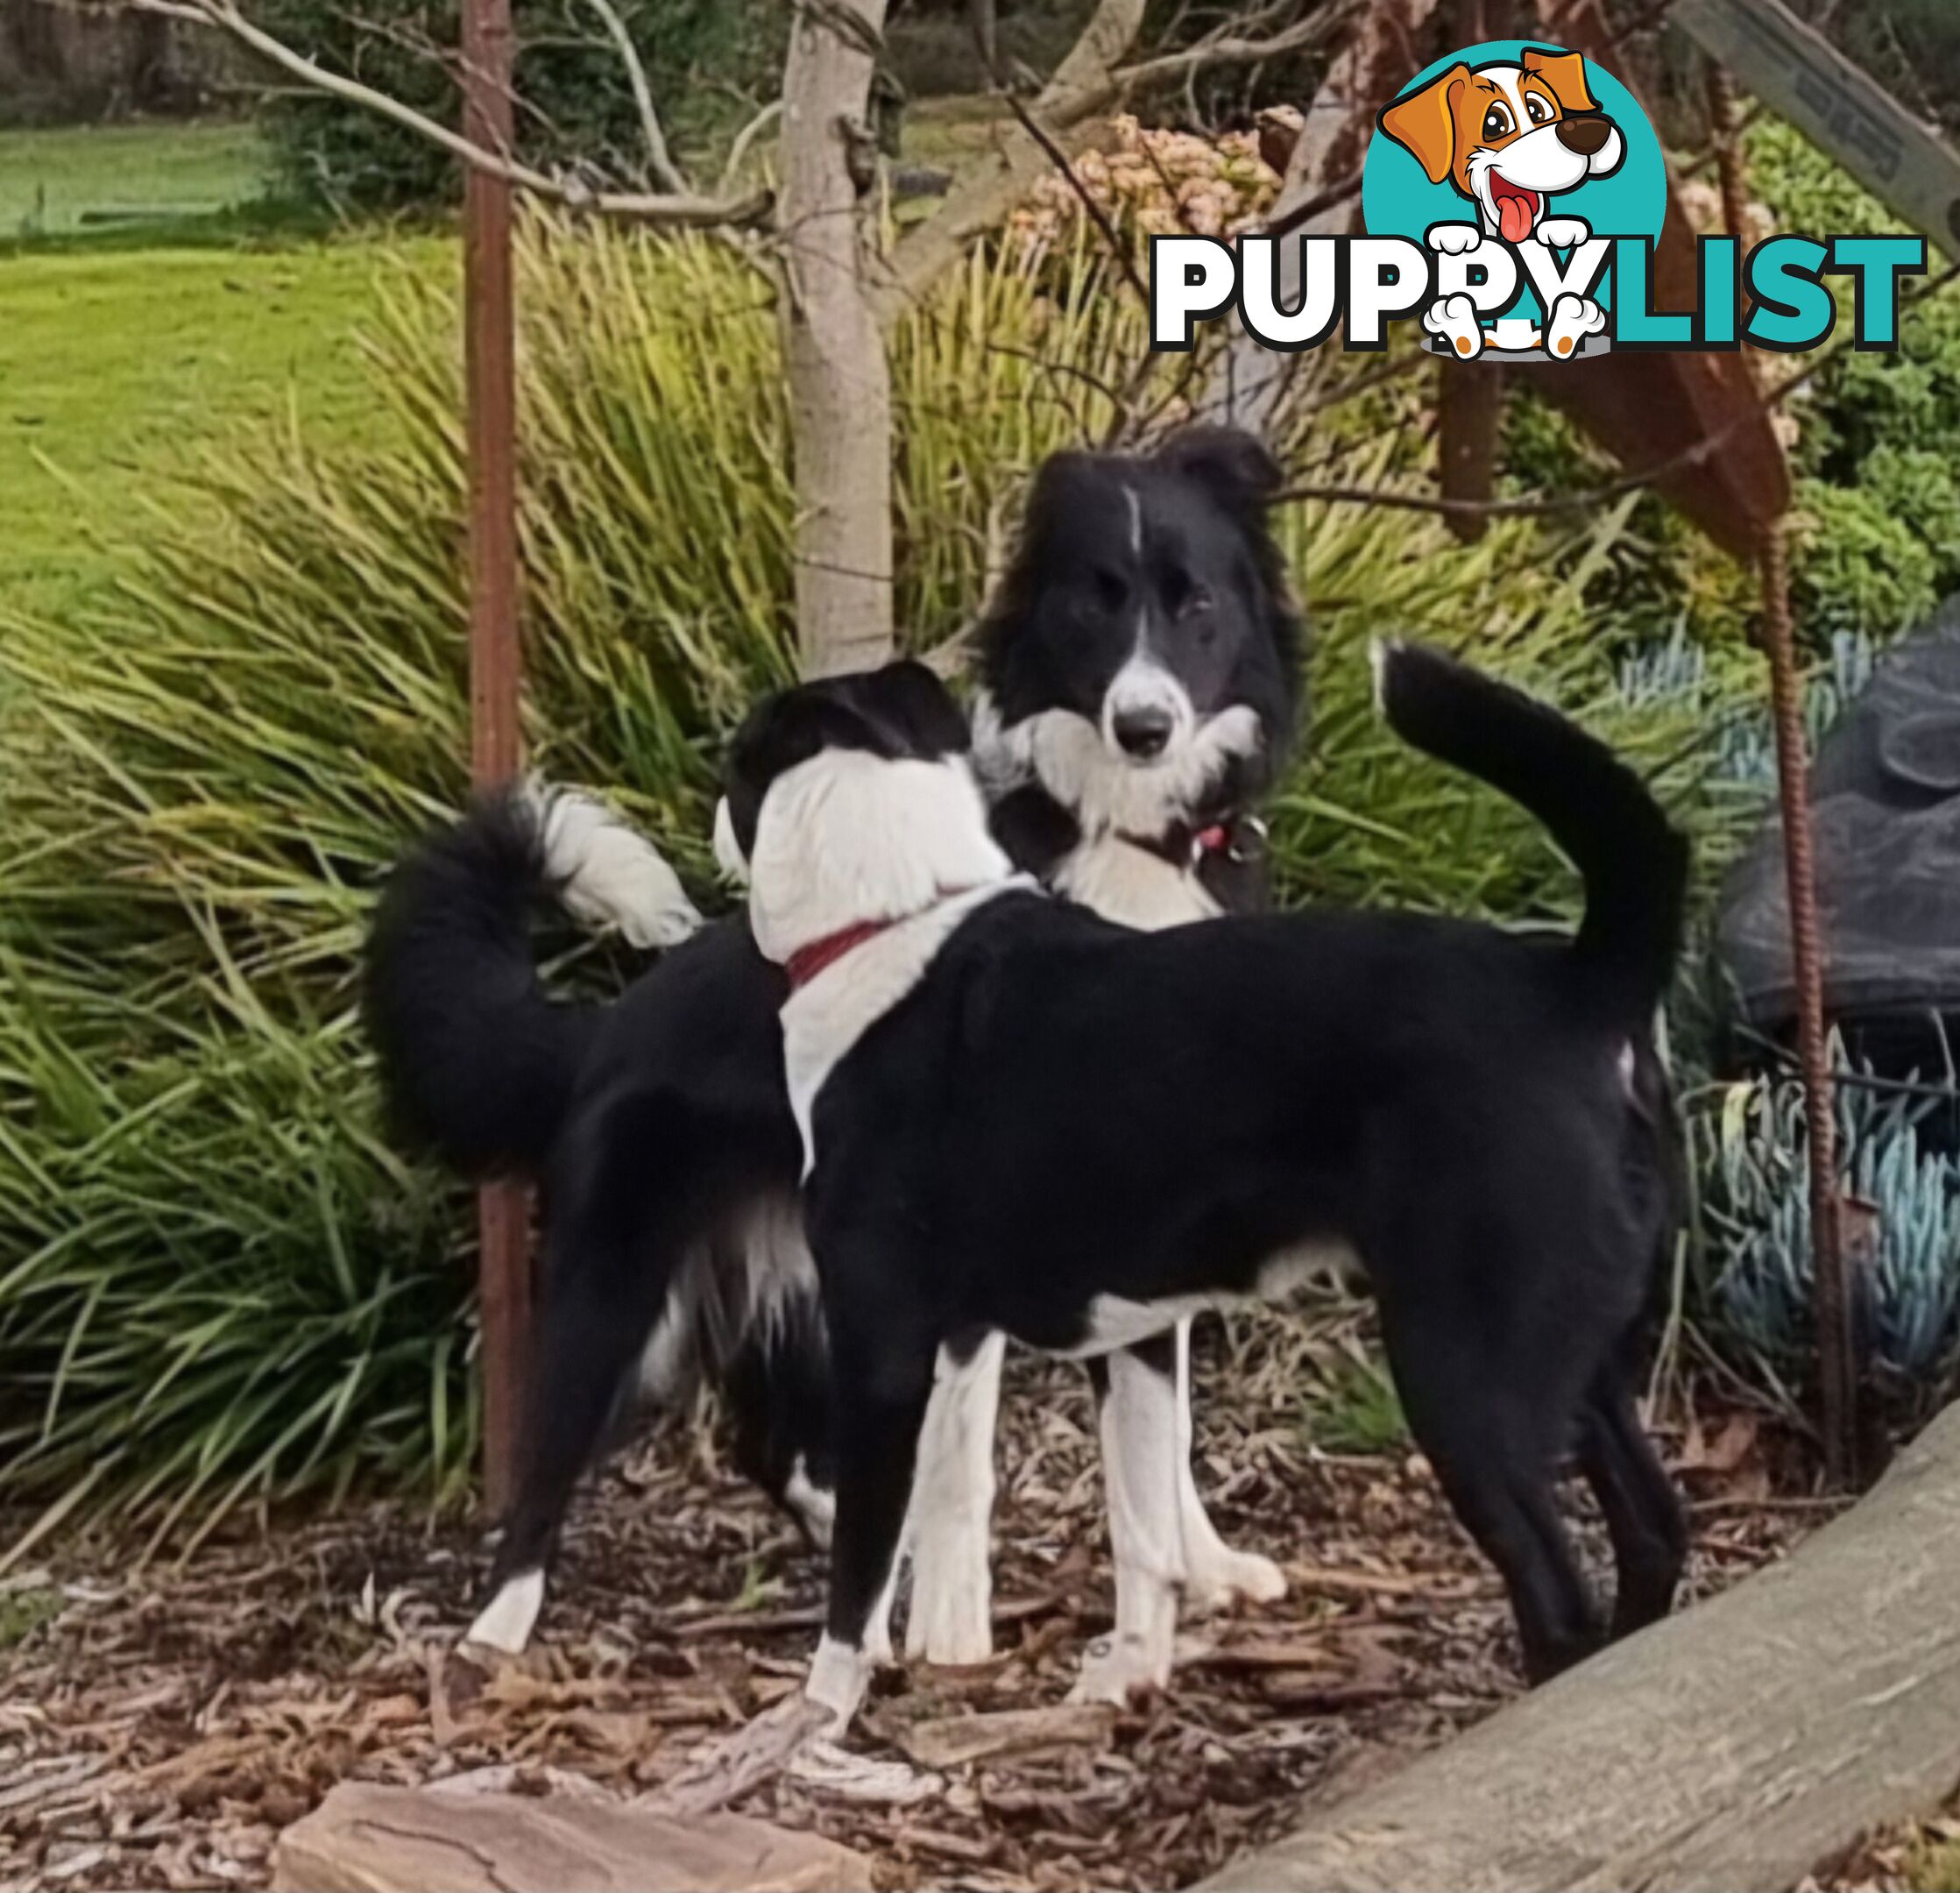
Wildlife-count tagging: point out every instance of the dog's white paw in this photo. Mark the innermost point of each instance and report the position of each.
(1454, 317)
(1562, 232)
(949, 1624)
(1574, 318)
(1120, 1670)
(839, 1676)
(951, 1617)
(1453, 239)
(1221, 1579)
(506, 1622)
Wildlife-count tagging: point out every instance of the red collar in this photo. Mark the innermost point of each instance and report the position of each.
(806, 963)
(1185, 847)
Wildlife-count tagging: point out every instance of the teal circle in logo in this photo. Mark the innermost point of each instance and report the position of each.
(1425, 176)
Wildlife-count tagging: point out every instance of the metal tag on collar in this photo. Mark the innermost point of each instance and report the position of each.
(1259, 828)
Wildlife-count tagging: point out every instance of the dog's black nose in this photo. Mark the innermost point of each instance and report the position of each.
(1142, 733)
(1586, 135)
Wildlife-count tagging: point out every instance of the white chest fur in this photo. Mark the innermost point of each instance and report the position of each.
(1132, 886)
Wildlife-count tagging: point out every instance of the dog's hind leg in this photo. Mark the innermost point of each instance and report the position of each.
(952, 1505)
(1494, 1457)
(1643, 1510)
(610, 1247)
(1137, 1395)
(1216, 1577)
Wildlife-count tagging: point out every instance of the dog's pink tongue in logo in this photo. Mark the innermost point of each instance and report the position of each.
(1517, 209)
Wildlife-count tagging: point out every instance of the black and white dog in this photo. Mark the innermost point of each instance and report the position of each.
(1015, 1116)
(1140, 670)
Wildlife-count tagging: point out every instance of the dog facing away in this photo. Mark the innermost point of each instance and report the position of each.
(1014, 1115)
(1141, 668)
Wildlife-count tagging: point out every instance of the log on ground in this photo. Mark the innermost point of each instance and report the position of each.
(365, 1839)
(1742, 1744)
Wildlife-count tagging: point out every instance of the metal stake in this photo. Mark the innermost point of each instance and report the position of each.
(496, 666)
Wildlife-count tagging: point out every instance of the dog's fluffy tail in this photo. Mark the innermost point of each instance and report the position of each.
(1633, 860)
(476, 1062)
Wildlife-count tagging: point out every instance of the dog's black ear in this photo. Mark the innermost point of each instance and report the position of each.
(788, 727)
(1058, 481)
(1234, 466)
(924, 712)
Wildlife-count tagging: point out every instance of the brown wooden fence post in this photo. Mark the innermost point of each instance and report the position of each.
(503, 1210)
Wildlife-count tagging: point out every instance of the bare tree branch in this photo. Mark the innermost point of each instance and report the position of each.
(1118, 248)
(1223, 49)
(672, 208)
(986, 193)
(660, 160)
(1054, 130)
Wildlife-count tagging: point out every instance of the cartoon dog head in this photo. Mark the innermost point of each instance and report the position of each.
(1508, 137)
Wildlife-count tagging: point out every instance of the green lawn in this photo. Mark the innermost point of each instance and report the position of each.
(57, 183)
(121, 353)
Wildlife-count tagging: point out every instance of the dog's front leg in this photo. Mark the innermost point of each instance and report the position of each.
(1137, 1395)
(1216, 1577)
(879, 1396)
(951, 1520)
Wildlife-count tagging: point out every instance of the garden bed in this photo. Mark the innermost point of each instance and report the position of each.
(159, 1727)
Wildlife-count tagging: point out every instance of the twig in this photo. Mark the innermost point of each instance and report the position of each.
(1225, 49)
(1118, 248)
(660, 160)
(723, 1769)
(738, 150)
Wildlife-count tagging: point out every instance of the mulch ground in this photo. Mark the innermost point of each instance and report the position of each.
(159, 1726)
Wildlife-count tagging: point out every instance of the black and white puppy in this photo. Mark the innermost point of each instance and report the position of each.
(1015, 1116)
(1140, 664)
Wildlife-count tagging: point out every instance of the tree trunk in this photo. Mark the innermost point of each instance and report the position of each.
(1744, 1744)
(840, 384)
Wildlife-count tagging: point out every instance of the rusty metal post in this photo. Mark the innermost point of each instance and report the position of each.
(1839, 1377)
(489, 375)
(1471, 395)
(1839, 1380)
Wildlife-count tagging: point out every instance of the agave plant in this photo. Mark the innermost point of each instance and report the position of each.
(1754, 1151)
(216, 1282)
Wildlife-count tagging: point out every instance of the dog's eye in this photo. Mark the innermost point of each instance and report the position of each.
(1537, 109)
(1498, 123)
(1197, 603)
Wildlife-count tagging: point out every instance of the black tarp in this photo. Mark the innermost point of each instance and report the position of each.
(1886, 797)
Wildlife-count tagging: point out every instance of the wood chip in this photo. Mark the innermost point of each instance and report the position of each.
(956, 1742)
